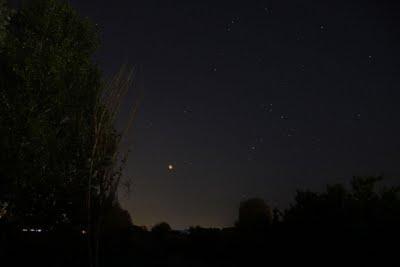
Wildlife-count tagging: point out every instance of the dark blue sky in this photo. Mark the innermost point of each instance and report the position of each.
(252, 99)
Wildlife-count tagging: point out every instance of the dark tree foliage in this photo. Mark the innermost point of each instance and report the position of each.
(361, 207)
(254, 215)
(161, 228)
(5, 17)
(116, 218)
(48, 92)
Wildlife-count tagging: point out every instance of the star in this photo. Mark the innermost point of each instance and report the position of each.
(357, 116)
(268, 108)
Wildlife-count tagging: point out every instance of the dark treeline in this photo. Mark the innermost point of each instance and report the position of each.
(61, 167)
(358, 226)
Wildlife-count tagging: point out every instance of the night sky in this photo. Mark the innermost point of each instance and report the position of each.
(255, 99)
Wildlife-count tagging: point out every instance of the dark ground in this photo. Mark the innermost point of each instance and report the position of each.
(280, 244)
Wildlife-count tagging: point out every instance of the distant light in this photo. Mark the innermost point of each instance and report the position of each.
(83, 232)
(32, 230)
(24, 230)
(170, 167)
(39, 230)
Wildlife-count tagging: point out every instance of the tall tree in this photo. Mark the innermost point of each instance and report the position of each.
(49, 90)
(60, 160)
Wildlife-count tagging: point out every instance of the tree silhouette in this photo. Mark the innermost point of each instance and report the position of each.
(254, 215)
(161, 229)
(116, 219)
(49, 85)
(60, 162)
(361, 206)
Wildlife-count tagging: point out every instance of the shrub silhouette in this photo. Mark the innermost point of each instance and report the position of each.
(254, 215)
(161, 229)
